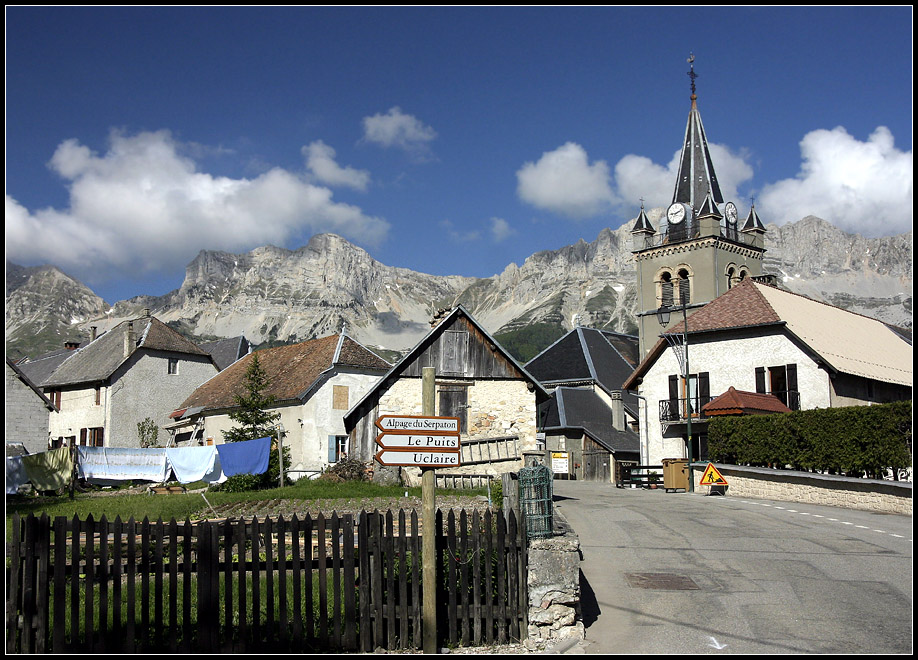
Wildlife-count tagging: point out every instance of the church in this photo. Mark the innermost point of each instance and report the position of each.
(714, 327)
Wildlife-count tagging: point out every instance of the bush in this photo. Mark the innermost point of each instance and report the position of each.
(348, 469)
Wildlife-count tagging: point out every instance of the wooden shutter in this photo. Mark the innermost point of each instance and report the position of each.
(454, 352)
(453, 402)
(760, 380)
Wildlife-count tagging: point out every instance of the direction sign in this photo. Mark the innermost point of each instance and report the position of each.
(712, 477)
(419, 458)
(417, 442)
(417, 424)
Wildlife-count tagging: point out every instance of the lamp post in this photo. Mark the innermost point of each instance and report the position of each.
(663, 314)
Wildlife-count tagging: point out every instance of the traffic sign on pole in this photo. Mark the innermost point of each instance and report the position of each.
(417, 442)
(418, 424)
(426, 459)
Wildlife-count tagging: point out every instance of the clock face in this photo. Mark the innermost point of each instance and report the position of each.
(730, 212)
(676, 213)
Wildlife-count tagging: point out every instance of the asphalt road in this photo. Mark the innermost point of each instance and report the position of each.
(691, 573)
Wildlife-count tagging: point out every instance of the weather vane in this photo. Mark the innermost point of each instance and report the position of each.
(691, 73)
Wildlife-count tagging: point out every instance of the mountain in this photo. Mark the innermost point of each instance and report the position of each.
(272, 294)
(44, 307)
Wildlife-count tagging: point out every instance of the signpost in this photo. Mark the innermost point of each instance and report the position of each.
(425, 441)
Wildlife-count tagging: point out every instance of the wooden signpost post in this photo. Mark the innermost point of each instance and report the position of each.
(427, 442)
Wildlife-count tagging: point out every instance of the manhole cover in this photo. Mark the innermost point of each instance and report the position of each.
(668, 581)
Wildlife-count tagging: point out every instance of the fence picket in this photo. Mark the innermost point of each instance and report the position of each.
(373, 599)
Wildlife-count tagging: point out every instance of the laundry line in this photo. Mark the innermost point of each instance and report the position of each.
(107, 466)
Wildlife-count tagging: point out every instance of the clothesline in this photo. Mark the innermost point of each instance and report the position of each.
(52, 469)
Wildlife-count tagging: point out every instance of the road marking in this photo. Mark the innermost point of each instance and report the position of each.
(814, 515)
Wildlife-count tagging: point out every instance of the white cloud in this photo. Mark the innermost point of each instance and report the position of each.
(861, 187)
(320, 159)
(396, 129)
(459, 236)
(564, 182)
(143, 206)
(501, 229)
(639, 177)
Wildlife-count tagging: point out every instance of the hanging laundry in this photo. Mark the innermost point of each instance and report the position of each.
(112, 465)
(245, 457)
(49, 470)
(194, 463)
(15, 474)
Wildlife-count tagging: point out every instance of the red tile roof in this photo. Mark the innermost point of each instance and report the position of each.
(736, 402)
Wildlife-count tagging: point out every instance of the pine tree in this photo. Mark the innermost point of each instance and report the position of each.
(251, 413)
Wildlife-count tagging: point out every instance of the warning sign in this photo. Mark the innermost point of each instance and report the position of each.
(712, 477)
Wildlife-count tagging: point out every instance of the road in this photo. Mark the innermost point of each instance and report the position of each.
(691, 573)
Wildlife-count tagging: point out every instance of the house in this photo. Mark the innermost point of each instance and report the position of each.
(760, 339)
(313, 383)
(27, 410)
(104, 388)
(589, 419)
(477, 381)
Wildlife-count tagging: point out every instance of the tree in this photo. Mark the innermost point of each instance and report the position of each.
(148, 432)
(251, 413)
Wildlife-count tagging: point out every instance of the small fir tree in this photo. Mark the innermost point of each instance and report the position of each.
(251, 413)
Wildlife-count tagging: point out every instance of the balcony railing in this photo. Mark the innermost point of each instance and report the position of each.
(673, 411)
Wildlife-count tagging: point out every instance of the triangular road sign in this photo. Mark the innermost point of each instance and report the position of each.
(712, 477)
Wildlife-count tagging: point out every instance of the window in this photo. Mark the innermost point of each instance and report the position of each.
(781, 381)
(696, 392)
(685, 287)
(340, 397)
(93, 437)
(56, 399)
(173, 366)
(337, 448)
(98, 395)
(666, 290)
(731, 276)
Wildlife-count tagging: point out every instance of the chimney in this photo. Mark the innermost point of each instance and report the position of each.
(71, 345)
(93, 332)
(129, 339)
(146, 312)
(439, 315)
(618, 411)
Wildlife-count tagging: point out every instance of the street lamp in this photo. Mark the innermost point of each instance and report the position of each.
(663, 315)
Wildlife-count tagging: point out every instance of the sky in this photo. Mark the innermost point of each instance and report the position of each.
(447, 140)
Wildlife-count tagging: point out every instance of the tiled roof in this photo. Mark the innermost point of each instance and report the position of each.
(291, 370)
(847, 342)
(735, 401)
(98, 360)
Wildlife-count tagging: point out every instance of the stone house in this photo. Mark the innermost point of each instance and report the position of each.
(313, 383)
(494, 397)
(104, 388)
(589, 420)
(27, 410)
(761, 339)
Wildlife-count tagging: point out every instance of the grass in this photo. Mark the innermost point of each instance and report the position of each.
(192, 505)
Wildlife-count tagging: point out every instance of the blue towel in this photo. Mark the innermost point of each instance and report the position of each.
(245, 457)
(111, 465)
(194, 463)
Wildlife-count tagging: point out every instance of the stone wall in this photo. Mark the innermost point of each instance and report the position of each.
(810, 488)
(554, 585)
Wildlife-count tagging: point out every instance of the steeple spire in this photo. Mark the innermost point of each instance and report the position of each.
(696, 177)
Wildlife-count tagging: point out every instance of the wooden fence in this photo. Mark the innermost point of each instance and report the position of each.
(298, 585)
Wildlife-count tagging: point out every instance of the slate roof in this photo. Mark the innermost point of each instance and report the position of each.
(293, 371)
(226, 351)
(843, 341)
(39, 369)
(97, 361)
(589, 355)
(582, 409)
(28, 382)
(735, 402)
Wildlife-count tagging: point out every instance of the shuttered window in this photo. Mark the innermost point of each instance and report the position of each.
(454, 352)
(340, 395)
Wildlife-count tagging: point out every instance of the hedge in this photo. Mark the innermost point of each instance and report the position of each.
(854, 441)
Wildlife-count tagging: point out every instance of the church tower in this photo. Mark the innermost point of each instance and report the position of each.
(700, 250)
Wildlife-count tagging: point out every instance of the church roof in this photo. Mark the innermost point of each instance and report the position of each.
(752, 221)
(844, 341)
(642, 224)
(696, 177)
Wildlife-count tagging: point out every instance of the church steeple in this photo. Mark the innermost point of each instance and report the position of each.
(696, 177)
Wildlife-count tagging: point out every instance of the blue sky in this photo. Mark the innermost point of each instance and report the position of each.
(451, 141)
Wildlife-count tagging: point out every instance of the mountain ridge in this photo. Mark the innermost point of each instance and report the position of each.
(274, 294)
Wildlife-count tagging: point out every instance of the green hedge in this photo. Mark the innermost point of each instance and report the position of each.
(855, 441)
